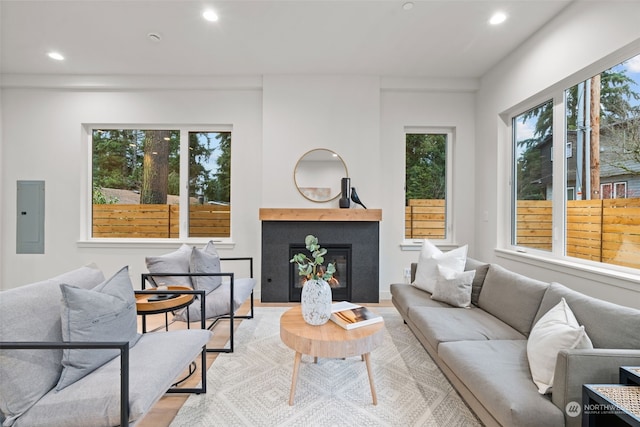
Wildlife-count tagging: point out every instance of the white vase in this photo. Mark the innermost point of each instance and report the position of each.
(316, 302)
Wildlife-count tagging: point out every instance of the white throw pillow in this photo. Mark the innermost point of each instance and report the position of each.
(558, 329)
(430, 258)
(453, 287)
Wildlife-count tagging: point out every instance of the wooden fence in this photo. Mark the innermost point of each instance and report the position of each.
(159, 221)
(533, 224)
(598, 230)
(425, 219)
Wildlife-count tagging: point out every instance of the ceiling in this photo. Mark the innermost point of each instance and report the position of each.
(435, 38)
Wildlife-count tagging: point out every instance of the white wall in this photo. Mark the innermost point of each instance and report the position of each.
(583, 40)
(273, 125)
(277, 120)
(42, 141)
(401, 109)
(340, 113)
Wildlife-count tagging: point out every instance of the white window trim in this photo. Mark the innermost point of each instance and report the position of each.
(624, 276)
(86, 197)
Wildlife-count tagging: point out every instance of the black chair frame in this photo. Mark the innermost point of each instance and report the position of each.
(149, 277)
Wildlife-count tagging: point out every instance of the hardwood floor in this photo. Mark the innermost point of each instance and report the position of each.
(163, 413)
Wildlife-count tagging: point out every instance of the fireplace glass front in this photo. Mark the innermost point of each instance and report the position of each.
(339, 256)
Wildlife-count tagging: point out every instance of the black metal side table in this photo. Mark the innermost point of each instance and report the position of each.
(175, 298)
(610, 405)
(630, 375)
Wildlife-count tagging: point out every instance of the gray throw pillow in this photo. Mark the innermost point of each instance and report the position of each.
(104, 313)
(205, 261)
(174, 262)
(478, 280)
(453, 287)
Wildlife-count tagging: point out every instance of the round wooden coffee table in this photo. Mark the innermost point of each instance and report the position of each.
(328, 340)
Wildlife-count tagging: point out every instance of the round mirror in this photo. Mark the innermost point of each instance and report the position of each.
(318, 174)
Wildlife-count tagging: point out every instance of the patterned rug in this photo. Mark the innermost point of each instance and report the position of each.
(250, 387)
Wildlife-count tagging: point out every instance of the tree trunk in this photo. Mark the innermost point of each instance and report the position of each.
(594, 151)
(155, 172)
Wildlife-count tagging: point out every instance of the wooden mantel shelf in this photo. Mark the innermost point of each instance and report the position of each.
(279, 214)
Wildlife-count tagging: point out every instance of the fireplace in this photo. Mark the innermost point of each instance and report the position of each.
(352, 234)
(339, 256)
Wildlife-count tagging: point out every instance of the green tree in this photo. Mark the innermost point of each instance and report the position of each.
(221, 186)
(529, 172)
(213, 184)
(615, 95)
(155, 168)
(113, 158)
(425, 174)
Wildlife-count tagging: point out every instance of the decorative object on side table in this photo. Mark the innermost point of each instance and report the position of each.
(316, 292)
(344, 198)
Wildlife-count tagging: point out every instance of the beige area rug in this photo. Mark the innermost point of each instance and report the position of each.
(250, 387)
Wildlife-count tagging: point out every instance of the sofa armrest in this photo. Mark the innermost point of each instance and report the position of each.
(587, 366)
(122, 346)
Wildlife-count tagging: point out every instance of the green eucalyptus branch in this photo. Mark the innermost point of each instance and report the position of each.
(309, 267)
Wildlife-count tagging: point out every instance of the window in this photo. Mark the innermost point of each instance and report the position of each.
(427, 177)
(136, 183)
(613, 190)
(598, 218)
(533, 173)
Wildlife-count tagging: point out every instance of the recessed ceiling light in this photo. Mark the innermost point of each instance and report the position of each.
(55, 55)
(408, 5)
(210, 15)
(497, 18)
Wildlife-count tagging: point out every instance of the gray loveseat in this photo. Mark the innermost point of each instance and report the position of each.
(483, 349)
(30, 393)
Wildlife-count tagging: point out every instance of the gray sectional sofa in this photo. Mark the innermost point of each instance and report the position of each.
(483, 349)
(144, 366)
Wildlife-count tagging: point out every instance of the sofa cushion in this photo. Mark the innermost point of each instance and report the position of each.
(497, 374)
(32, 313)
(217, 302)
(598, 317)
(511, 297)
(105, 313)
(405, 296)
(440, 325)
(478, 280)
(205, 261)
(558, 329)
(95, 399)
(429, 260)
(453, 287)
(174, 262)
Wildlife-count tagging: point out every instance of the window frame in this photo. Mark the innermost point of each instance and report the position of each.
(557, 256)
(449, 228)
(86, 199)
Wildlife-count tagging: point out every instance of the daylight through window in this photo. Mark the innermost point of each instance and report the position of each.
(426, 186)
(136, 181)
(601, 170)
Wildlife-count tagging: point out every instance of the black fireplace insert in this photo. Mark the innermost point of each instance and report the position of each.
(337, 254)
